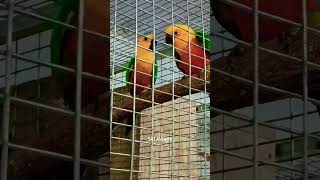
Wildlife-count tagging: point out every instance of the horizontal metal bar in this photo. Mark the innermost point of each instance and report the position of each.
(268, 15)
(56, 155)
(162, 174)
(55, 109)
(246, 119)
(40, 151)
(286, 118)
(51, 20)
(315, 101)
(225, 152)
(60, 67)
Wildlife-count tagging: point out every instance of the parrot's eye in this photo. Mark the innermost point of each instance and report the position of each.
(176, 33)
(145, 39)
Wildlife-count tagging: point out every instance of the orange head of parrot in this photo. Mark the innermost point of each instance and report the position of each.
(182, 33)
(145, 43)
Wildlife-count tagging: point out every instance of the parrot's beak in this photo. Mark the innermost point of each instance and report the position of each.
(151, 44)
(169, 39)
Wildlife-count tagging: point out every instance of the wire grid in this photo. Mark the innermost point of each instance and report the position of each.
(26, 29)
(275, 140)
(185, 119)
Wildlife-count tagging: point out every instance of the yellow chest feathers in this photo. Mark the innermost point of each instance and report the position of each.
(145, 55)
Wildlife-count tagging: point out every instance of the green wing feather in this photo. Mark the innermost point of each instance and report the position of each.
(130, 65)
(128, 68)
(206, 37)
(68, 8)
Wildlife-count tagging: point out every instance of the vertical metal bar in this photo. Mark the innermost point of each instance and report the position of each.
(134, 93)
(113, 75)
(190, 111)
(256, 90)
(152, 90)
(305, 87)
(38, 86)
(205, 85)
(14, 108)
(292, 139)
(223, 145)
(6, 105)
(77, 125)
(173, 103)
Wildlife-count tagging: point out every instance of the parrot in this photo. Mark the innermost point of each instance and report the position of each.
(239, 22)
(94, 53)
(146, 65)
(199, 49)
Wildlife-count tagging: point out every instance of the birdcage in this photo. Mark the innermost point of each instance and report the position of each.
(49, 129)
(66, 99)
(168, 136)
(115, 89)
(264, 120)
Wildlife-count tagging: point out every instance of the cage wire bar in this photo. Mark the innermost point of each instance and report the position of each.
(26, 65)
(294, 163)
(305, 88)
(77, 124)
(294, 144)
(256, 88)
(6, 105)
(183, 118)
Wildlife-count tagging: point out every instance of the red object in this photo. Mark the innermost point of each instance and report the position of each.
(197, 59)
(94, 60)
(240, 22)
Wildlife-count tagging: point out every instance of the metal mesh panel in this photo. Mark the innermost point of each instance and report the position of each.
(171, 120)
(43, 137)
(264, 122)
(48, 134)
